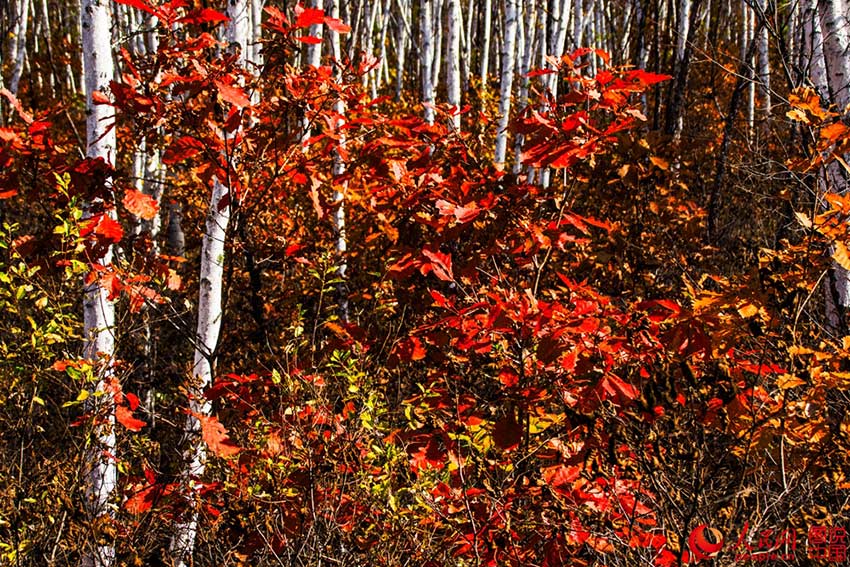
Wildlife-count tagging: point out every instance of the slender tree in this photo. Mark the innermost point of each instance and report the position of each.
(453, 62)
(426, 58)
(210, 315)
(486, 28)
(100, 473)
(20, 45)
(507, 80)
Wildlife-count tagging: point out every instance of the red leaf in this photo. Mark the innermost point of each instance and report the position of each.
(142, 501)
(8, 194)
(337, 25)
(104, 226)
(133, 400)
(308, 17)
(648, 78)
(140, 4)
(124, 416)
(538, 72)
(462, 214)
(309, 39)
(409, 349)
(206, 15)
(140, 204)
(508, 378)
(215, 436)
(441, 264)
(232, 94)
(182, 149)
(99, 97)
(614, 387)
(561, 476)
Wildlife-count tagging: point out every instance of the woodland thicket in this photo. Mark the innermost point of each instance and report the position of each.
(423, 283)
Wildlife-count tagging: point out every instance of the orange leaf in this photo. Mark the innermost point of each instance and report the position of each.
(440, 264)
(215, 436)
(839, 254)
(232, 94)
(124, 416)
(140, 204)
(142, 501)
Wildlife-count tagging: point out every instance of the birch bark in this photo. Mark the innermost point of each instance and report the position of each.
(100, 472)
(453, 71)
(338, 218)
(507, 81)
(20, 45)
(210, 316)
(426, 58)
(485, 42)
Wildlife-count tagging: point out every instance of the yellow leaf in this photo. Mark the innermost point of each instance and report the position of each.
(839, 254)
(788, 381)
(747, 310)
(803, 219)
(660, 163)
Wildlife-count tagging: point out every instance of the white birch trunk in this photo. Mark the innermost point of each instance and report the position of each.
(507, 81)
(763, 69)
(437, 28)
(812, 63)
(453, 72)
(485, 42)
(426, 58)
(834, 24)
(314, 51)
(578, 24)
(210, 316)
(338, 218)
(748, 20)
(20, 43)
(100, 472)
(402, 35)
(525, 40)
(466, 42)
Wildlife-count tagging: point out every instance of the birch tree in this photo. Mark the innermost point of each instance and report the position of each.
(100, 472)
(486, 28)
(507, 80)
(20, 45)
(453, 71)
(338, 217)
(763, 69)
(210, 315)
(426, 58)
(833, 17)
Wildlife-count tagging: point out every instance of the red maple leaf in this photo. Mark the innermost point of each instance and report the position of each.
(124, 416)
(140, 204)
(215, 436)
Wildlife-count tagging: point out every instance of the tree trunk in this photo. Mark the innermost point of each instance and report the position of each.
(338, 218)
(426, 58)
(836, 49)
(453, 71)
(100, 472)
(764, 60)
(210, 315)
(20, 45)
(834, 23)
(507, 80)
(487, 26)
(314, 50)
